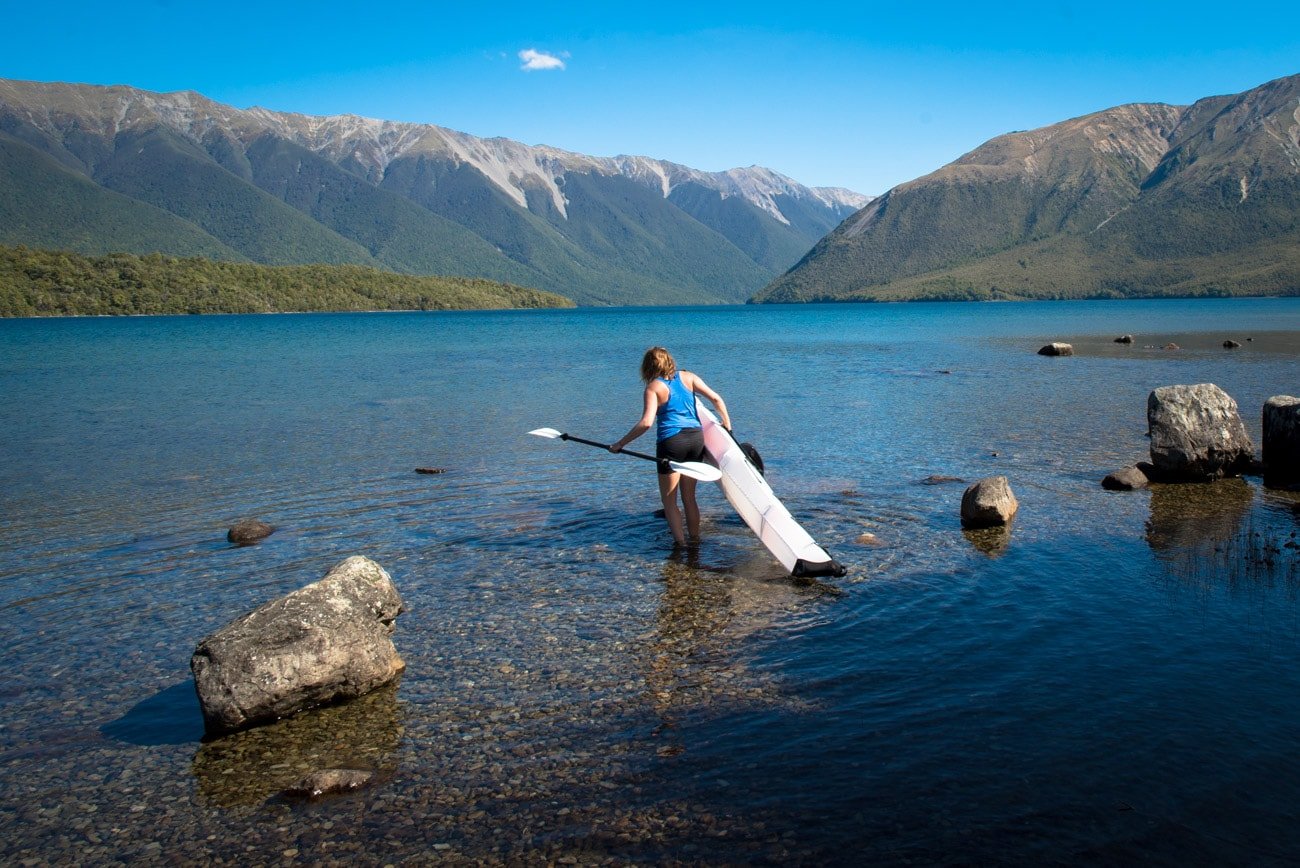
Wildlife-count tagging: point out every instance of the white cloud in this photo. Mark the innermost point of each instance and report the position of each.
(534, 60)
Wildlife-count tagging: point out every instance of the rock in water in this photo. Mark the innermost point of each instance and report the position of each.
(326, 642)
(1282, 438)
(328, 782)
(988, 503)
(248, 531)
(1196, 433)
(1057, 349)
(1128, 479)
(1124, 339)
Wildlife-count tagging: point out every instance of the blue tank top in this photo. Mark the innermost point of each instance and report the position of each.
(678, 412)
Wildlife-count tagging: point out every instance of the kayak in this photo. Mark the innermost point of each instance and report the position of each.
(753, 499)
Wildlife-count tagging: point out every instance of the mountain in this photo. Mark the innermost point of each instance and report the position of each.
(115, 169)
(1139, 200)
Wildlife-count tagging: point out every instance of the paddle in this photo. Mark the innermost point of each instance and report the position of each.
(694, 469)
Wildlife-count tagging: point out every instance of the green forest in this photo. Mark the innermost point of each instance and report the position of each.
(57, 283)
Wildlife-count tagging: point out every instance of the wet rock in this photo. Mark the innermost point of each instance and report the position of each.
(1057, 349)
(937, 479)
(430, 470)
(326, 642)
(1124, 339)
(1128, 479)
(1172, 346)
(1196, 433)
(868, 539)
(247, 531)
(988, 503)
(329, 782)
(1281, 447)
(1230, 345)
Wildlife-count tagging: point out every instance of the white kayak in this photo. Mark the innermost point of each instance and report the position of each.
(756, 503)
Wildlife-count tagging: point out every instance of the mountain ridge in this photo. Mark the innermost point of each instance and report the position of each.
(1135, 199)
(493, 208)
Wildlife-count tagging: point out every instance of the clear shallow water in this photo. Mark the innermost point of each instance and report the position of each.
(1114, 679)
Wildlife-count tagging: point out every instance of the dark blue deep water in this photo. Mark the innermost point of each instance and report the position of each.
(1116, 679)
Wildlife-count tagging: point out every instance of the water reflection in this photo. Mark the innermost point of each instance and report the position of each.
(1208, 534)
(248, 767)
(992, 541)
(704, 614)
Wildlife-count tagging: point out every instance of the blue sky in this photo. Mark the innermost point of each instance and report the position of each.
(862, 95)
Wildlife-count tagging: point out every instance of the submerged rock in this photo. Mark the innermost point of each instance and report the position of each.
(328, 782)
(1281, 435)
(1196, 433)
(939, 479)
(1057, 349)
(248, 531)
(988, 503)
(1128, 479)
(326, 642)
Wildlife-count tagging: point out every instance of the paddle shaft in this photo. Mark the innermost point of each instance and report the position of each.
(606, 447)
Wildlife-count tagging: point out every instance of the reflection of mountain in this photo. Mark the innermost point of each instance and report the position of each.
(248, 767)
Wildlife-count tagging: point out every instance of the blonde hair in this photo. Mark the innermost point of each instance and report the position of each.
(657, 362)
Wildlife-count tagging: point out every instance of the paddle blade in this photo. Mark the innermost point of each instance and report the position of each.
(548, 433)
(697, 470)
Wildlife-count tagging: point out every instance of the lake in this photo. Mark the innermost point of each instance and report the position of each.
(1116, 678)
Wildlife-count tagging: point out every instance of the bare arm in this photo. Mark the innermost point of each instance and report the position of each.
(650, 407)
(700, 387)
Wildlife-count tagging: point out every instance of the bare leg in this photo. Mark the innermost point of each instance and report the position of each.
(692, 508)
(668, 485)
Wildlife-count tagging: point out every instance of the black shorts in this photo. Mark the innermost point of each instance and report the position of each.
(686, 445)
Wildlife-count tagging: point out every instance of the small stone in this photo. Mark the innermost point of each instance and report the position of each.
(328, 782)
(247, 531)
(1172, 346)
(1128, 479)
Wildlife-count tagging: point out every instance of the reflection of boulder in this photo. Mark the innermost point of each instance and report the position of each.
(248, 767)
(1193, 517)
(992, 541)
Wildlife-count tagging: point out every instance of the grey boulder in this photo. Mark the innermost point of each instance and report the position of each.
(1057, 349)
(1281, 451)
(988, 503)
(1196, 433)
(324, 643)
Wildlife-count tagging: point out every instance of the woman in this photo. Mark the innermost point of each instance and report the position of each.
(669, 405)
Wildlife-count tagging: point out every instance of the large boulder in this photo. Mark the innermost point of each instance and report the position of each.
(1281, 451)
(988, 503)
(1196, 433)
(324, 643)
